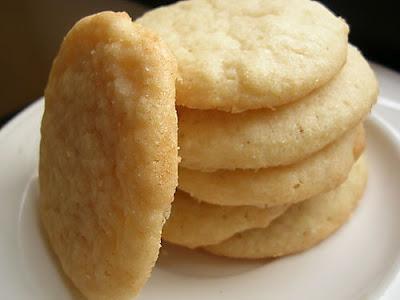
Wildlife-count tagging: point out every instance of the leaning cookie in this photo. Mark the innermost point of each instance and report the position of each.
(211, 140)
(193, 224)
(240, 55)
(108, 154)
(319, 173)
(302, 226)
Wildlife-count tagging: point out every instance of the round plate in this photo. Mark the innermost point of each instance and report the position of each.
(360, 261)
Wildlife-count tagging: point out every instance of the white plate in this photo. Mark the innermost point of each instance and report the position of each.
(359, 262)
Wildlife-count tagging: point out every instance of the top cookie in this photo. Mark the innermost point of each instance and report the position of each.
(108, 154)
(240, 55)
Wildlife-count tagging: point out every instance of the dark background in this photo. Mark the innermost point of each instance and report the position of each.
(31, 31)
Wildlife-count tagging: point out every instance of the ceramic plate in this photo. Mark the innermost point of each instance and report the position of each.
(360, 261)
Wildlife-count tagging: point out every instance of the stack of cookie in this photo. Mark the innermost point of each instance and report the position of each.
(271, 99)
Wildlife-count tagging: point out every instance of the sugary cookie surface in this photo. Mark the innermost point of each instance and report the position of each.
(108, 154)
(240, 55)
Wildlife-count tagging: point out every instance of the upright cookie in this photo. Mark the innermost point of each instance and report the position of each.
(193, 224)
(319, 173)
(212, 140)
(240, 55)
(302, 226)
(108, 154)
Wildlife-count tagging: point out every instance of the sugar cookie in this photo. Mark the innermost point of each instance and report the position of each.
(211, 140)
(108, 154)
(240, 55)
(302, 226)
(193, 224)
(321, 172)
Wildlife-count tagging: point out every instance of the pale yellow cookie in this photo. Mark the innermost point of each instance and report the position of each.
(193, 224)
(108, 154)
(240, 55)
(211, 140)
(302, 226)
(319, 173)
